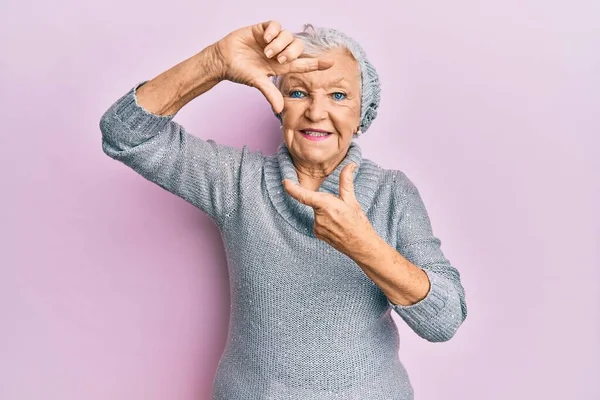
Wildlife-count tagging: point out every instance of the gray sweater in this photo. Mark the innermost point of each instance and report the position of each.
(306, 322)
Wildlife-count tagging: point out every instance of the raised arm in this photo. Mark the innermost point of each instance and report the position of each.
(138, 129)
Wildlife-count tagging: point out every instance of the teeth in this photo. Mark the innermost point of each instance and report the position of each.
(312, 133)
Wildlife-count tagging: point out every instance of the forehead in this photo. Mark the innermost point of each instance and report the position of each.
(345, 71)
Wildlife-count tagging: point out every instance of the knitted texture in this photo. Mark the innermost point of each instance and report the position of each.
(370, 86)
(306, 323)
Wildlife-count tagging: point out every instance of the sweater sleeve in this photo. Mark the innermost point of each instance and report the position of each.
(202, 172)
(437, 317)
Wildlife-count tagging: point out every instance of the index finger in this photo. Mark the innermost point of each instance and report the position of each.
(304, 196)
(309, 64)
(272, 29)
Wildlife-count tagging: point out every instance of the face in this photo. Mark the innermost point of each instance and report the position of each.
(322, 101)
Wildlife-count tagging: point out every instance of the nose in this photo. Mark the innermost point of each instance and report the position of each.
(316, 109)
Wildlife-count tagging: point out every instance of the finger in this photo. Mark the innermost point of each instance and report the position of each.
(271, 93)
(292, 52)
(271, 30)
(283, 39)
(301, 194)
(302, 65)
(347, 183)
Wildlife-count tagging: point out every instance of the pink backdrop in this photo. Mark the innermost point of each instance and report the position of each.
(112, 288)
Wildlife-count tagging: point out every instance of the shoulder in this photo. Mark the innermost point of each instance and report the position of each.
(253, 156)
(397, 181)
(243, 156)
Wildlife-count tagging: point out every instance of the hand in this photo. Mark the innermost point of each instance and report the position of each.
(341, 221)
(252, 54)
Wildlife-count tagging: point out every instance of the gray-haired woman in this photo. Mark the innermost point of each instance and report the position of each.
(321, 243)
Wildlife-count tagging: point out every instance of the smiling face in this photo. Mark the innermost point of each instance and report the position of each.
(321, 101)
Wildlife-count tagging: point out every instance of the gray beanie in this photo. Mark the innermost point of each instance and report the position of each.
(319, 40)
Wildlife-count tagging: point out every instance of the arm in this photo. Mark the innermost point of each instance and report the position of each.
(419, 282)
(138, 130)
(166, 94)
(437, 316)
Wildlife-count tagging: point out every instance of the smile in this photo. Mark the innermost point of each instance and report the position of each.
(314, 135)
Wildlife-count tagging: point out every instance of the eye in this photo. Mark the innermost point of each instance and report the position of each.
(339, 96)
(296, 94)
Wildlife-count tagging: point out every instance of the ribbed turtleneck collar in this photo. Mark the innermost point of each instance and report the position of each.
(280, 166)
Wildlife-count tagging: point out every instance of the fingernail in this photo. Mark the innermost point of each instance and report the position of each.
(268, 38)
(281, 59)
(269, 53)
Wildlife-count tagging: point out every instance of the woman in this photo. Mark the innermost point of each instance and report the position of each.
(321, 243)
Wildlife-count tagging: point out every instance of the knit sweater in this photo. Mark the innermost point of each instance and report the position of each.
(306, 322)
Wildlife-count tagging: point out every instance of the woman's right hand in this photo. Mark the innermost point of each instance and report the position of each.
(253, 54)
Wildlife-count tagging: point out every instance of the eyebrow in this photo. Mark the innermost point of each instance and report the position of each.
(332, 83)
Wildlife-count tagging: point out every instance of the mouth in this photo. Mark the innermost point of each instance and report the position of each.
(314, 133)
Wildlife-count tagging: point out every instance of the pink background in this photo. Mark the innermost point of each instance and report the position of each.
(112, 288)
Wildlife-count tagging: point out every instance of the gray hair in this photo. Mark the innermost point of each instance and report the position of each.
(320, 40)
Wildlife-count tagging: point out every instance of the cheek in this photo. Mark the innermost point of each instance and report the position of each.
(356, 108)
(347, 117)
(291, 112)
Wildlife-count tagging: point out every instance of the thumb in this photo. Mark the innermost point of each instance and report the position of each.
(347, 183)
(271, 93)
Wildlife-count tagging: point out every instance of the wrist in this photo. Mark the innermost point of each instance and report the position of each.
(369, 246)
(216, 62)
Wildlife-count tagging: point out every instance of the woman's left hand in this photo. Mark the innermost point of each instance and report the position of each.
(339, 221)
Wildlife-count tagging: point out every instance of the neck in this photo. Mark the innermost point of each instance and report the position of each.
(310, 176)
(279, 166)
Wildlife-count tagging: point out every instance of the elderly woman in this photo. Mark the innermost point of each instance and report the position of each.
(321, 243)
